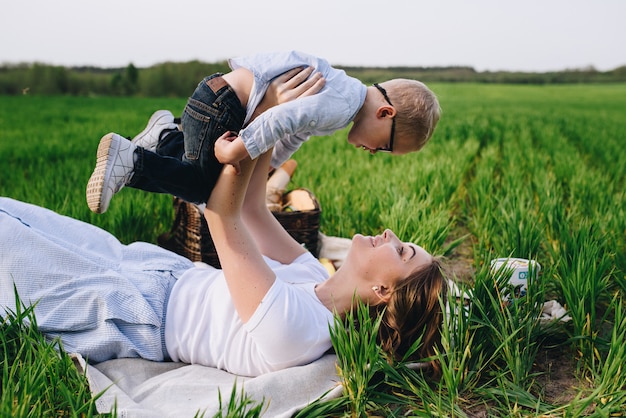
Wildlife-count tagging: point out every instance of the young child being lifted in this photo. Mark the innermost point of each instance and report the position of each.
(229, 117)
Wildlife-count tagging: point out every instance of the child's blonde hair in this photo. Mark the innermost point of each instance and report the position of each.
(417, 108)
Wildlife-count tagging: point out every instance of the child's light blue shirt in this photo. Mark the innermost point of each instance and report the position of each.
(286, 126)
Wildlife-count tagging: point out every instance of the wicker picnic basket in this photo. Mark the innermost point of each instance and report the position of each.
(190, 237)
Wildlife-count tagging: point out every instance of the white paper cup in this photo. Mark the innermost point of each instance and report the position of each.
(519, 270)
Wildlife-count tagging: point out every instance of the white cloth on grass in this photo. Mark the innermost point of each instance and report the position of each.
(143, 389)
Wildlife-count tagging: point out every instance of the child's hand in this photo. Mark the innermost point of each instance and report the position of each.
(229, 149)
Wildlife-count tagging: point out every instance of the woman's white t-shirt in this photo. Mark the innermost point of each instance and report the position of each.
(289, 328)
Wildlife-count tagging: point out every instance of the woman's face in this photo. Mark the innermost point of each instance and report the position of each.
(385, 258)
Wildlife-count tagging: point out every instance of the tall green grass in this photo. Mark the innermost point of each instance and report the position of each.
(522, 171)
(36, 380)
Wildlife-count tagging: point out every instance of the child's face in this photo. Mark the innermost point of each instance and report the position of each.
(375, 136)
(374, 127)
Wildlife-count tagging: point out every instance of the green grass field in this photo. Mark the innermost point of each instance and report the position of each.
(522, 171)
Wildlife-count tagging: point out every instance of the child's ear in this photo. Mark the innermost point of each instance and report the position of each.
(386, 111)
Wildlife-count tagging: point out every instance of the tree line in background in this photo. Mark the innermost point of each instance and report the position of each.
(180, 79)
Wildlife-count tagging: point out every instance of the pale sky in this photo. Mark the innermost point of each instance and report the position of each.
(530, 35)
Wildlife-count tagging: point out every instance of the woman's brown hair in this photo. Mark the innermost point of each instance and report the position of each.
(414, 310)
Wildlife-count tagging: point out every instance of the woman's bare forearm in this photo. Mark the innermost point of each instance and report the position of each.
(247, 275)
(271, 237)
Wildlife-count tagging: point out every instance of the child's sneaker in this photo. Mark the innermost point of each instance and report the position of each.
(160, 121)
(114, 169)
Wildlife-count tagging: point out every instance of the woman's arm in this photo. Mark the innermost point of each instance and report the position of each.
(247, 275)
(238, 248)
(271, 237)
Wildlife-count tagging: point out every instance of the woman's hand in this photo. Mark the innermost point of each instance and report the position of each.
(293, 84)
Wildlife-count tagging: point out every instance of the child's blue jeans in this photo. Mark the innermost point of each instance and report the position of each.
(184, 164)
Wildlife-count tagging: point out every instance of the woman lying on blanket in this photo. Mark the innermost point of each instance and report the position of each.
(259, 314)
(269, 308)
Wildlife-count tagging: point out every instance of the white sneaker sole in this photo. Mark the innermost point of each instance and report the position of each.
(159, 117)
(95, 185)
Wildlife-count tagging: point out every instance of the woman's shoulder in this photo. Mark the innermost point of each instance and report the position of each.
(304, 269)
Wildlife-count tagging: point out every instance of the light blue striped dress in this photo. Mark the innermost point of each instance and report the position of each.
(103, 298)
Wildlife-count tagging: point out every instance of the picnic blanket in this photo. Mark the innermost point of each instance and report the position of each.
(140, 388)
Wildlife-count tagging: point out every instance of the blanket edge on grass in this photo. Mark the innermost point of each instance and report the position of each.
(140, 388)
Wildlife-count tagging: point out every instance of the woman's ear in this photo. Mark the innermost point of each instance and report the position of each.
(382, 292)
